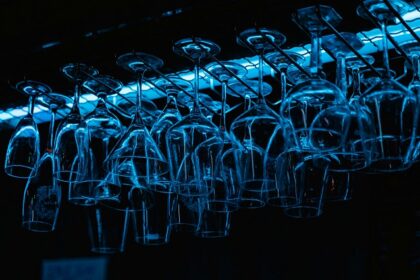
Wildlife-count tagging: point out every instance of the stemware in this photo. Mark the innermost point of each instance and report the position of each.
(319, 118)
(353, 152)
(352, 119)
(309, 97)
(170, 114)
(217, 209)
(23, 150)
(88, 181)
(136, 160)
(193, 129)
(42, 196)
(136, 154)
(392, 105)
(412, 49)
(72, 134)
(192, 179)
(253, 128)
(157, 220)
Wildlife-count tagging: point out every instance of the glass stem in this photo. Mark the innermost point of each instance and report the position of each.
(106, 146)
(415, 59)
(196, 106)
(75, 107)
(355, 72)
(31, 105)
(50, 143)
(260, 77)
(283, 83)
(315, 63)
(385, 56)
(223, 113)
(341, 75)
(139, 96)
(248, 102)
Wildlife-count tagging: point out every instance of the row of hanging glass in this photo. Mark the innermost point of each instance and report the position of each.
(188, 173)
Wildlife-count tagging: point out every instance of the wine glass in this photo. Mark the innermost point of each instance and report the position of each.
(170, 114)
(88, 183)
(193, 180)
(72, 135)
(42, 196)
(23, 150)
(412, 48)
(309, 97)
(168, 208)
(136, 153)
(392, 105)
(352, 151)
(217, 208)
(254, 128)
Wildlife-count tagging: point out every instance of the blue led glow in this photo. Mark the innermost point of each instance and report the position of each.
(133, 87)
(411, 15)
(18, 112)
(5, 116)
(89, 97)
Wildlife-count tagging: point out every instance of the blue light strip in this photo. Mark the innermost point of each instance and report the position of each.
(372, 40)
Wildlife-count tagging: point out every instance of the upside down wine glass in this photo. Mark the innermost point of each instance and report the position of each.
(311, 142)
(412, 48)
(354, 153)
(23, 150)
(72, 134)
(216, 216)
(253, 128)
(158, 219)
(393, 106)
(88, 181)
(136, 153)
(309, 97)
(277, 143)
(192, 179)
(42, 196)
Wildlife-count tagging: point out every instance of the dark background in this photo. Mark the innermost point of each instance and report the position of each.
(370, 237)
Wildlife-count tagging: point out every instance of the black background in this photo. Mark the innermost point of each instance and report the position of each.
(370, 237)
